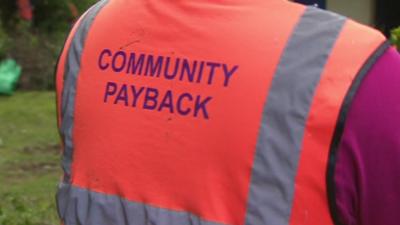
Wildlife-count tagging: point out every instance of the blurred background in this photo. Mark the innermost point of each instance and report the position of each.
(381, 14)
(32, 33)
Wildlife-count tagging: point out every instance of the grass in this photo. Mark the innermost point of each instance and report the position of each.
(29, 159)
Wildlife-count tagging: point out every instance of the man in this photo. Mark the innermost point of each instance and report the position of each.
(227, 112)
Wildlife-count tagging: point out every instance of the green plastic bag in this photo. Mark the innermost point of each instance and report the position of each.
(10, 72)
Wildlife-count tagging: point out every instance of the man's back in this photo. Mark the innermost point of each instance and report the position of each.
(201, 112)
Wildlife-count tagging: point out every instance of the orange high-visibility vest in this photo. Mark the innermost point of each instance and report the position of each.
(206, 112)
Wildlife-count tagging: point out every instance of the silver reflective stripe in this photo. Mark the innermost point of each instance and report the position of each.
(72, 68)
(285, 115)
(83, 207)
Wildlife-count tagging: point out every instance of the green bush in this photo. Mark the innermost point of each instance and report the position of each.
(53, 15)
(49, 15)
(37, 53)
(36, 45)
(395, 37)
(8, 14)
(4, 42)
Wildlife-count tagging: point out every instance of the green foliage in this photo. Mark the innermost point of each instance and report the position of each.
(50, 15)
(53, 15)
(37, 53)
(4, 42)
(395, 37)
(8, 14)
(36, 45)
(83, 5)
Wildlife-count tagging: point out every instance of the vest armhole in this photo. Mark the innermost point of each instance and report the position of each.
(340, 125)
(59, 68)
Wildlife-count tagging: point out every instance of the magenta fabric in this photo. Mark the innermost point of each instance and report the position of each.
(367, 174)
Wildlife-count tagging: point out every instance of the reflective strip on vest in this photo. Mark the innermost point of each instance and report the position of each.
(72, 69)
(285, 115)
(310, 204)
(285, 162)
(81, 206)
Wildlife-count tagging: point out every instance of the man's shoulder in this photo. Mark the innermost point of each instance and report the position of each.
(370, 148)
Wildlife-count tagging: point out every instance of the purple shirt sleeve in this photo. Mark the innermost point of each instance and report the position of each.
(367, 173)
